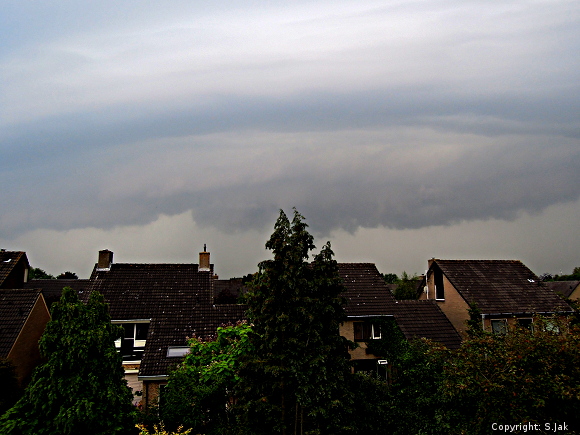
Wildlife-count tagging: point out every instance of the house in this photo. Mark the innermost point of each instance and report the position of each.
(505, 292)
(568, 289)
(369, 299)
(14, 268)
(23, 317)
(159, 306)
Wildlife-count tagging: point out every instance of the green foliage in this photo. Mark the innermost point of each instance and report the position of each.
(38, 273)
(522, 376)
(80, 389)
(574, 276)
(406, 287)
(297, 377)
(475, 323)
(390, 278)
(199, 393)
(10, 388)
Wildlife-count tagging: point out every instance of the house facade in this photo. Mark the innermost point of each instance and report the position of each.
(23, 317)
(505, 292)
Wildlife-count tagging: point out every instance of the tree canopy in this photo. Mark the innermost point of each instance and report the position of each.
(80, 389)
(296, 378)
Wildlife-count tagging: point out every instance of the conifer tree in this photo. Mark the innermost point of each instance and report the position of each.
(296, 380)
(80, 389)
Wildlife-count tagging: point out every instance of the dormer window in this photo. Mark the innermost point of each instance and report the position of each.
(132, 344)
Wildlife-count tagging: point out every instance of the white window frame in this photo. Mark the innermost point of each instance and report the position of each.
(136, 343)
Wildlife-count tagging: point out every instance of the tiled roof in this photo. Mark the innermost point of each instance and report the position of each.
(501, 286)
(52, 288)
(144, 291)
(15, 306)
(424, 319)
(562, 287)
(8, 260)
(366, 291)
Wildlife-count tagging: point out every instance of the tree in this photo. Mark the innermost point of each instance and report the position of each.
(38, 273)
(406, 287)
(10, 389)
(67, 275)
(81, 386)
(297, 377)
(390, 278)
(200, 391)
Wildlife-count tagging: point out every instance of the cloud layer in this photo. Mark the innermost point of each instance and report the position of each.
(398, 115)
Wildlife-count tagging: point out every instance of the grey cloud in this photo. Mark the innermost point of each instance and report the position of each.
(490, 115)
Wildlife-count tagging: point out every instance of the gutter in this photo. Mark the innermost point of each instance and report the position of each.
(153, 378)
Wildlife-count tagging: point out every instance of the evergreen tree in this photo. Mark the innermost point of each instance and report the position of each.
(80, 389)
(297, 377)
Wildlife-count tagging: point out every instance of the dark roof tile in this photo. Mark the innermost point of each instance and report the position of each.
(366, 291)
(564, 288)
(424, 319)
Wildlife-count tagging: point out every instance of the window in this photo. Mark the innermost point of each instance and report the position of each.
(177, 351)
(132, 343)
(364, 331)
(526, 323)
(439, 288)
(499, 326)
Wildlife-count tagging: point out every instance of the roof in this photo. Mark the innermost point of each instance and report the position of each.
(144, 291)
(9, 260)
(52, 288)
(562, 287)
(177, 298)
(15, 307)
(424, 319)
(366, 291)
(500, 286)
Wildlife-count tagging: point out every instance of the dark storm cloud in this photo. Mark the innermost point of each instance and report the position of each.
(366, 116)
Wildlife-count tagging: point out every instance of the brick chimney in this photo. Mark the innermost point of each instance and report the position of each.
(204, 260)
(105, 259)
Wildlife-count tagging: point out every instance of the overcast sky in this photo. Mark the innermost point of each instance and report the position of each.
(401, 130)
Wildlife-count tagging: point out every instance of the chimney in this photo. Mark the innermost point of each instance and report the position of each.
(105, 259)
(204, 260)
(431, 261)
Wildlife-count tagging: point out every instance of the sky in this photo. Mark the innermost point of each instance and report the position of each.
(401, 130)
